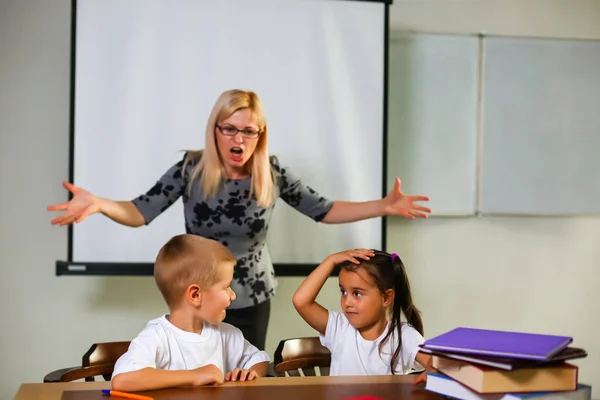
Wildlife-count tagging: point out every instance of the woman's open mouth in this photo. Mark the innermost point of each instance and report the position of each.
(237, 154)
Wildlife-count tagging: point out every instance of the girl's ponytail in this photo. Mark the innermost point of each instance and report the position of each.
(403, 303)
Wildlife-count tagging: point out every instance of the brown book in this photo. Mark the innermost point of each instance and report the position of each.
(483, 379)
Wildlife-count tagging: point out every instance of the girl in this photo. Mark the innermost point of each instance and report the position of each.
(368, 337)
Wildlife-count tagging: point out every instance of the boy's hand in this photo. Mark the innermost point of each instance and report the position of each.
(241, 375)
(208, 375)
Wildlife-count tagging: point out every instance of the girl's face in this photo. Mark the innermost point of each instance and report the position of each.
(237, 137)
(362, 302)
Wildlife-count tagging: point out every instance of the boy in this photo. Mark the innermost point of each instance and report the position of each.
(190, 345)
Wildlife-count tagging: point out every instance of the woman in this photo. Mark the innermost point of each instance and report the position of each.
(229, 190)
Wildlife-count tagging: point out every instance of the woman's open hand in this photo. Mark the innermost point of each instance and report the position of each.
(398, 203)
(82, 205)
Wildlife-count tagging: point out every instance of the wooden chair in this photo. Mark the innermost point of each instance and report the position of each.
(301, 357)
(304, 357)
(99, 360)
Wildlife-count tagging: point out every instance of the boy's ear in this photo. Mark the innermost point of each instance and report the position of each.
(193, 294)
(388, 297)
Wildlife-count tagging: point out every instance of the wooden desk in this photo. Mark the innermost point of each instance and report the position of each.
(301, 388)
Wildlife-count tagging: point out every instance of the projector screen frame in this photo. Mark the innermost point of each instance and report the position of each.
(70, 267)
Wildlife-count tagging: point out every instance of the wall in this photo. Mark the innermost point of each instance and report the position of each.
(530, 274)
(540, 18)
(533, 274)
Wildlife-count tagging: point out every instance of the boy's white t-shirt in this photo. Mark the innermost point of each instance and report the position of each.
(162, 345)
(351, 354)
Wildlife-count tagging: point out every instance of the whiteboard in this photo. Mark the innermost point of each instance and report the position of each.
(433, 90)
(541, 136)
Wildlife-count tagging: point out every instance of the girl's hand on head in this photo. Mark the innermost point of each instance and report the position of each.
(354, 256)
(82, 205)
(398, 203)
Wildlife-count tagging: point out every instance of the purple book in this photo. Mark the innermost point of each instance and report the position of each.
(528, 346)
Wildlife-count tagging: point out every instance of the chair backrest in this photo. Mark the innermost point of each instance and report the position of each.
(302, 357)
(104, 353)
(99, 360)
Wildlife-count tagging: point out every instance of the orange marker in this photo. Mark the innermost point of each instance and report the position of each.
(126, 395)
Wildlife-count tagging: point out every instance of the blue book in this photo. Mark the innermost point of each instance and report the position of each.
(441, 384)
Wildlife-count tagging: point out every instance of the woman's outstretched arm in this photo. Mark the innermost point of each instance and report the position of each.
(395, 203)
(83, 204)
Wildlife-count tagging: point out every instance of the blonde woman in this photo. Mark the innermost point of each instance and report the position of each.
(229, 190)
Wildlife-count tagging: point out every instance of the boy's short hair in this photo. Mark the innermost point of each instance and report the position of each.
(187, 259)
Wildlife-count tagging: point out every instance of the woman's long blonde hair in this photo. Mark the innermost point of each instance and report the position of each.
(210, 168)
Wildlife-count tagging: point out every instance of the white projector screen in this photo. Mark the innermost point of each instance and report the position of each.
(148, 72)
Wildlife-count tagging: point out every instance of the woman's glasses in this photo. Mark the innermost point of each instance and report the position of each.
(229, 130)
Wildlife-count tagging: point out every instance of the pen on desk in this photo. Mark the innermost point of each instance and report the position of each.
(126, 395)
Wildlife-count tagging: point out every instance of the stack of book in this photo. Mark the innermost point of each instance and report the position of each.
(474, 364)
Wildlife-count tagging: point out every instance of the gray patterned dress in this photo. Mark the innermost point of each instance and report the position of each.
(235, 220)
